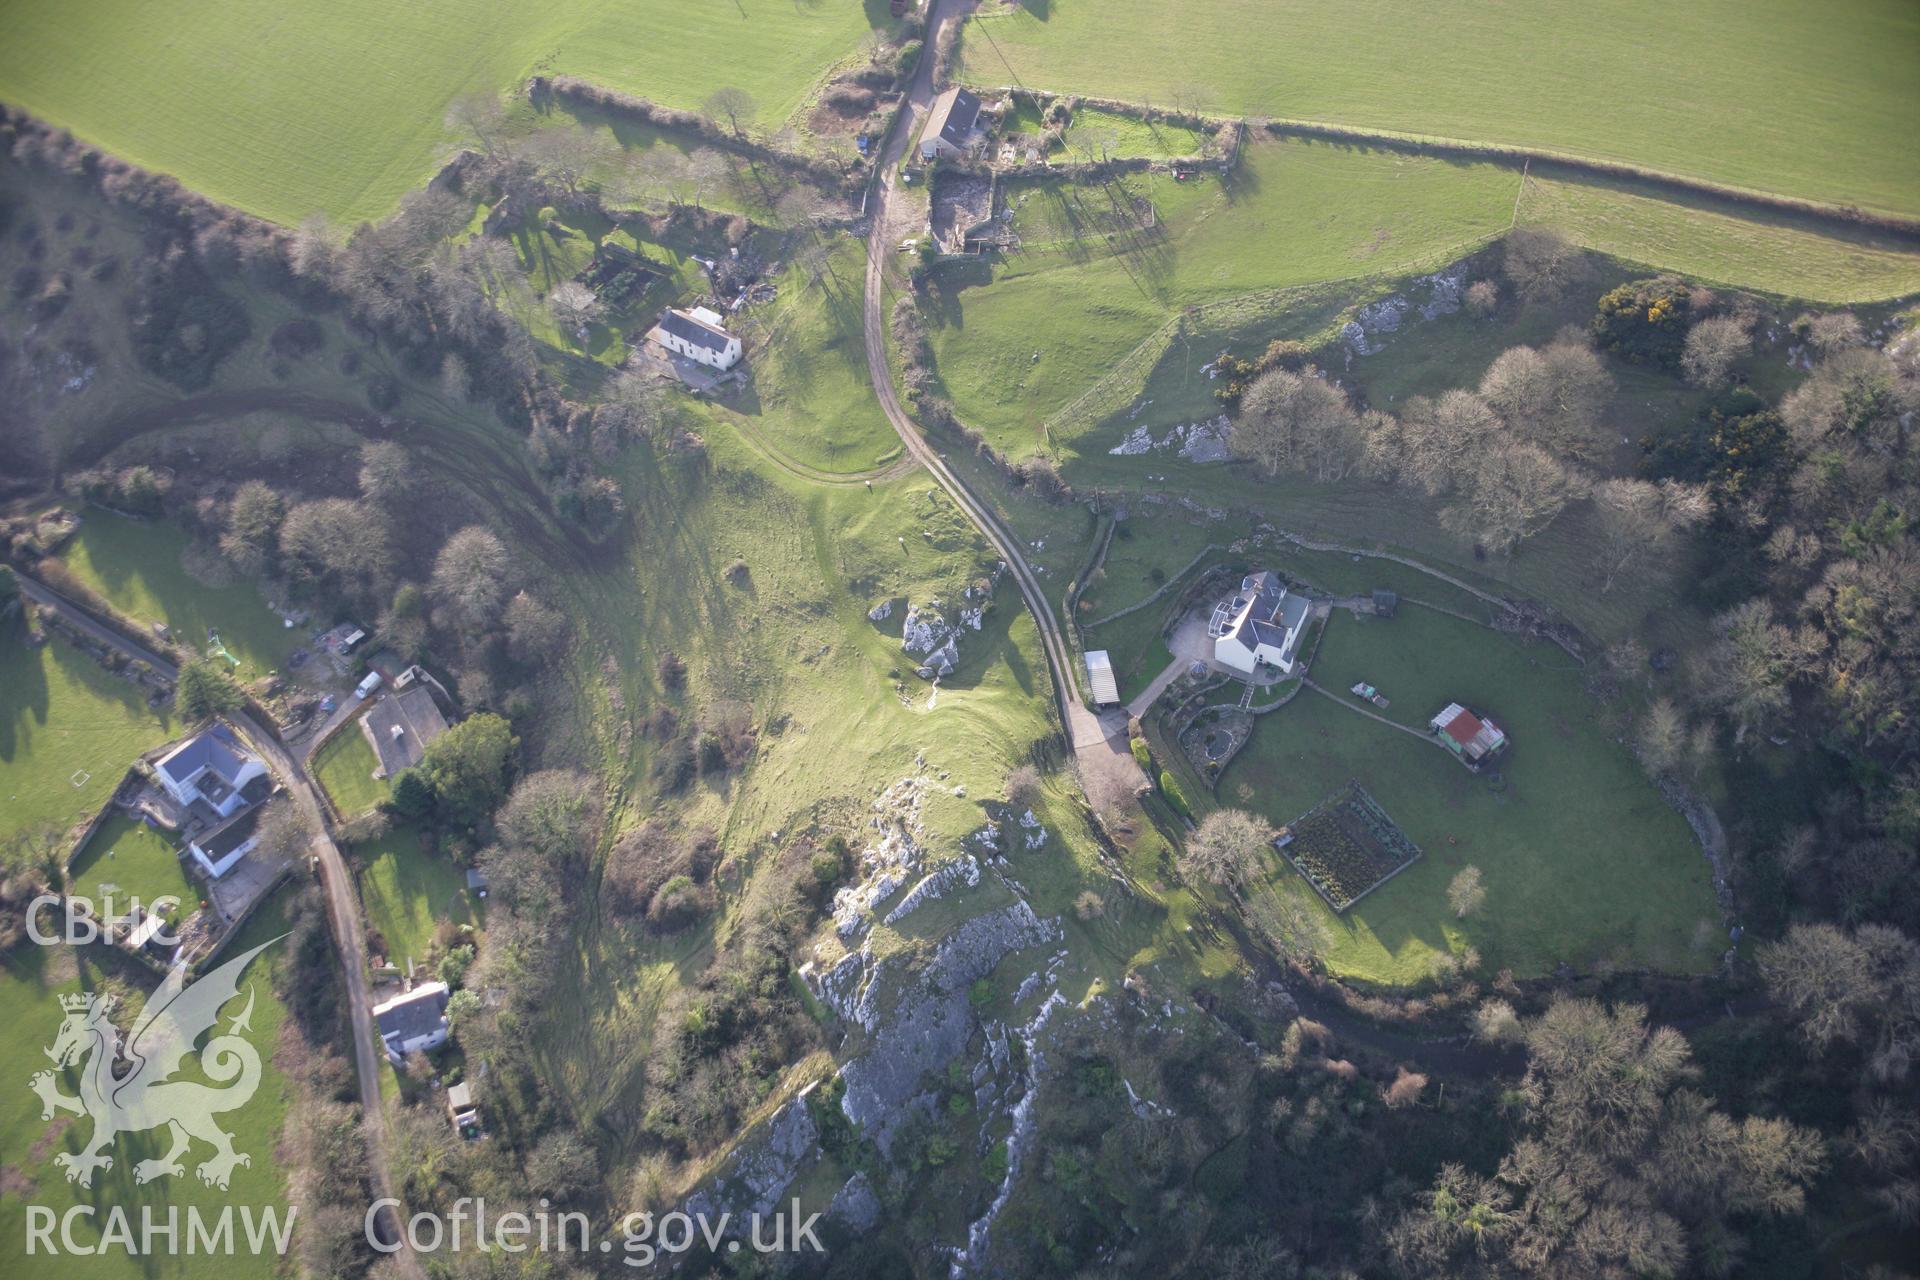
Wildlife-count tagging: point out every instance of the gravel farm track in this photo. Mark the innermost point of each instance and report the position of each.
(1099, 742)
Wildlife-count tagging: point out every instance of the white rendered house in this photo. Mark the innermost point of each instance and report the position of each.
(1260, 625)
(699, 335)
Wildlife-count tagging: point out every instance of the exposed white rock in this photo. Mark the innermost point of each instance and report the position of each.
(934, 886)
(881, 612)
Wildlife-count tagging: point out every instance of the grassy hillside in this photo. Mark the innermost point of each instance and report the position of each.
(339, 109)
(1059, 314)
(1769, 94)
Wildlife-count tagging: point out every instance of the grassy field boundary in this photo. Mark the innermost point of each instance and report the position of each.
(1501, 153)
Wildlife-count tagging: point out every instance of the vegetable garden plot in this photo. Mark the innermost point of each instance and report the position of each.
(1347, 846)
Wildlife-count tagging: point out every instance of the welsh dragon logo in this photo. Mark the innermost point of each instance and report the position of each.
(145, 1096)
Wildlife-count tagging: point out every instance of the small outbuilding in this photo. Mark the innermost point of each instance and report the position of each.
(1106, 690)
(1475, 739)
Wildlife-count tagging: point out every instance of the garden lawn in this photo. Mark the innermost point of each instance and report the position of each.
(126, 859)
(1774, 95)
(31, 981)
(138, 568)
(1055, 320)
(62, 715)
(345, 766)
(1584, 863)
(339, 109)
(407, 891)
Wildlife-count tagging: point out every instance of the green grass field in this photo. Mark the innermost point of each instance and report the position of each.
(1098, 134)
(1724, 243)
(63, 716)
(1583, 861)
(811, 402)
(1060, 314)
(128, 858)
(345, 768)
(31, 981)
(1773, 95)
(289, 112)
(138, 568)
(406, 891)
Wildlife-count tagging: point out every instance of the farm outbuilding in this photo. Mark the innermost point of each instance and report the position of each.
(950, 123)
(1473, 738)
(1106, 690)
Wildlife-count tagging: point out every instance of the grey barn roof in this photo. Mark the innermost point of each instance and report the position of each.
(953, 116)
(413, 711)
(687, 329)
(231, 836)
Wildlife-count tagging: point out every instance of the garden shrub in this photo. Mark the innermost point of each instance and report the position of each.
(1170, 788)
(1645, 321)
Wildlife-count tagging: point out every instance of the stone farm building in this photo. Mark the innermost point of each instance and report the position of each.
(1473, 738)
(1259, 625)
(950, 123)
(400, 725)
(413, 1022)
(699, 335)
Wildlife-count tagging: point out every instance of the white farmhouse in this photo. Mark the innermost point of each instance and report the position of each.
(212, 768)
(698, 335)
(1261, 624)
(413, 1022)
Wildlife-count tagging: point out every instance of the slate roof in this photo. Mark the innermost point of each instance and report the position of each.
(413, 711)
(1272, 614)
(685, 327)
(419, 1012)
(231, 836)
(214, 749)
(952, 117)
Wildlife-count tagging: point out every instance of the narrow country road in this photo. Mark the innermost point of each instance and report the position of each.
(343, 908)
(1099, 742)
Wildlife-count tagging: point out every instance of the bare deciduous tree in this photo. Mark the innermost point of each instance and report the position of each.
(470, 577)
(1227, 848)
(733, 105)
(1714, 346)
(1466, 892)
(1297, 422)
(386, 471)
(1541, 265)
(1511, 491)
(575, 306)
